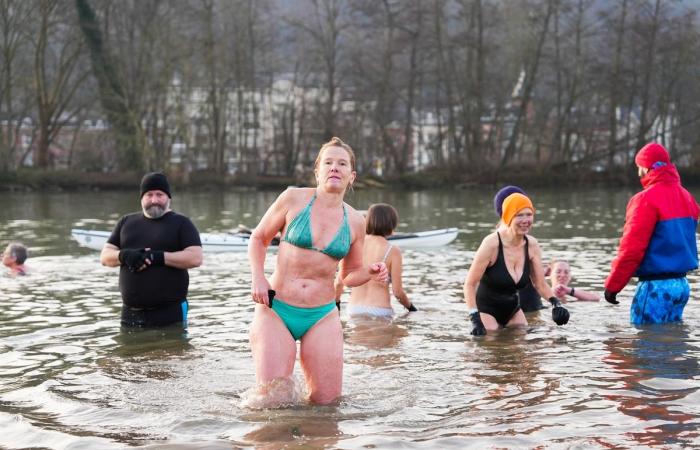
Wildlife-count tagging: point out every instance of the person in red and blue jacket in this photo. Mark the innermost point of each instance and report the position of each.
(658, 242)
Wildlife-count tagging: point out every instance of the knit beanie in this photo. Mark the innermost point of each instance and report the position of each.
(513, 204)
(651, 154)
(155, 181)
(501, 196)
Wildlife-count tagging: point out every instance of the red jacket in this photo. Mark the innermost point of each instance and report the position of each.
(659, 233)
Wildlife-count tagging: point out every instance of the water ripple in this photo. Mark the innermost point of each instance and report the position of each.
(71, 378)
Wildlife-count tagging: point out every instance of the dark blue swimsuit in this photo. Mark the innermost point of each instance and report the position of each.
(497, 294)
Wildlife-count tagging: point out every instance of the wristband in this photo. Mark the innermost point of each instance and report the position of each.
(571, 293)
(158, 258)
(472, 311)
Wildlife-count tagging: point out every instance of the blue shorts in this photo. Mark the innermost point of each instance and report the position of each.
(659, 301)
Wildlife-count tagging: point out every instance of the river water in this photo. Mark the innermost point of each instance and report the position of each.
(71, 379)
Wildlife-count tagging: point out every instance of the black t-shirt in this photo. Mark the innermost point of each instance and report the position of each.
(156, 285)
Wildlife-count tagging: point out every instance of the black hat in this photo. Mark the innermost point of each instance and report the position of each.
(501, 196)
(155, 181)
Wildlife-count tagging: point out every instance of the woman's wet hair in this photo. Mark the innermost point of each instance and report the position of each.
(336, 142)
(382, 219)
(554, 262)
(18, 251)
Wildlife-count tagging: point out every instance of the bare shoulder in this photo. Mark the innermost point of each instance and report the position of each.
(395, 252)
(488, 249)
(532, 241)
(354, 216)
(291, 198)
(297, 194)
(490, 241)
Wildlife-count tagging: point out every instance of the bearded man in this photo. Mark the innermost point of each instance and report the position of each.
(154, 248)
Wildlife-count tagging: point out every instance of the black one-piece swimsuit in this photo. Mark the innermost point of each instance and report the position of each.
(497, 294)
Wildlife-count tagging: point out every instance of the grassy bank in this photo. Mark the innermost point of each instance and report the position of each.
(37, 180)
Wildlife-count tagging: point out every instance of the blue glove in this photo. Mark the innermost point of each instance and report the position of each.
(560, 315)
(478, 329)
(611, 297)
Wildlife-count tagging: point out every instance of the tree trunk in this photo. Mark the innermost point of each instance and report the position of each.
(530, 78)
(129, 137)
(644, 122)
(615, 88)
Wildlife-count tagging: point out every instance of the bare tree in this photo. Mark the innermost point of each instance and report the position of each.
(473, 79)
(569, 63)
(218, 85)
(57, 74)
(147, 37)
(532, 66)
(325, 27)
(445, 55)
(650, 31)
(15, 19)
(250, 39)
(128, 134)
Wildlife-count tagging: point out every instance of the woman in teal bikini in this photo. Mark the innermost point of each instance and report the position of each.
(319, 232)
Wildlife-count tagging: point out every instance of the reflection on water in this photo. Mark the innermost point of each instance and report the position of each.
(657, 368)
(374, 332)
(317, 429)
(71, 377)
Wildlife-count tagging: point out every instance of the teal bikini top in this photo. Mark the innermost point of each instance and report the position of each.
(299, 233)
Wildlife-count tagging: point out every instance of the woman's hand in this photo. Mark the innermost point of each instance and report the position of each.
(478, 328)
(259, 291)
(560, 315)
(379, 272)
(561, 290)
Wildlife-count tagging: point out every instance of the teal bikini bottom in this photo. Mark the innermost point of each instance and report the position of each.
(299, 320)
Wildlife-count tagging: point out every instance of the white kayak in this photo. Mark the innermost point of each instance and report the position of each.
(236, 242)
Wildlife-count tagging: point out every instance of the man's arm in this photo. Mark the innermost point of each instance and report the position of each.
(189, 258)
(110, 256)
(640, 221)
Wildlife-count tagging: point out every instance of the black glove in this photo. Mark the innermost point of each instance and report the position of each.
(157, 257)
(611, 297)
(411, 308)
(479, 329)
(133, 258)
(560, 315)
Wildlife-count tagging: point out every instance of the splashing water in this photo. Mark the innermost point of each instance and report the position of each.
(277, 393)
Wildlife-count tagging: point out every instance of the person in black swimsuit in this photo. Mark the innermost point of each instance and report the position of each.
(497, 292)
(506, 261)
(530, 299)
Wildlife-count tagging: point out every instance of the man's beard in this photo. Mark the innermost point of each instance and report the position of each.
(155, 211)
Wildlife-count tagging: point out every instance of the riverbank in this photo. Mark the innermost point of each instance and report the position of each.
(36, 180)
(30, 180)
